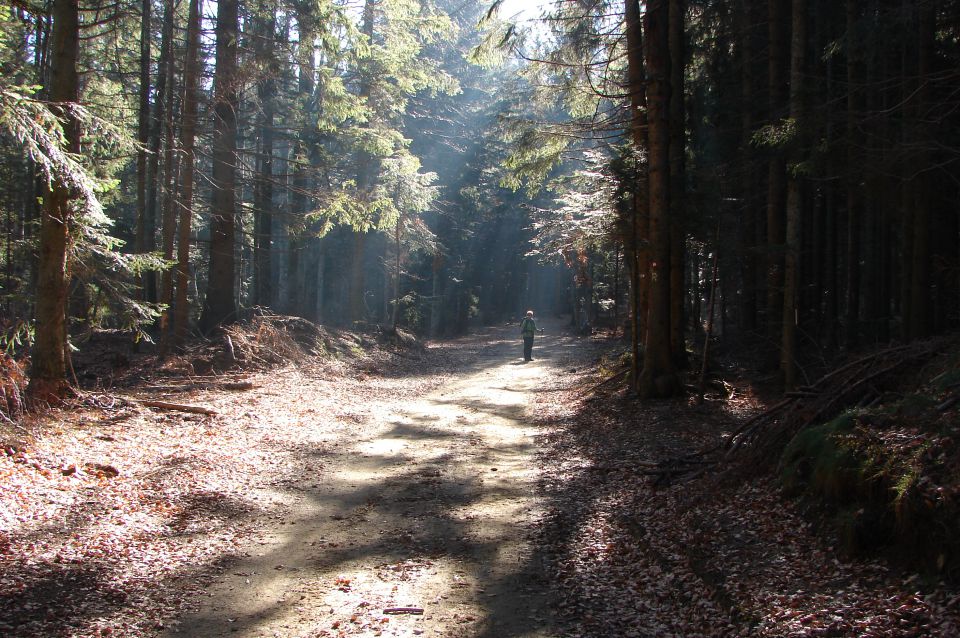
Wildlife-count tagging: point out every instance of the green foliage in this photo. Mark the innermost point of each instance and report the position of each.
(500, 38)
(16, 335)
(40, 133)
(586, 212)
(613, 363)
(777, 135)
(535, 154)
(801, 169)
(95, 257)
(413, 311)
(394, 67)
(818, 460)
(339, 104)
(884, 476)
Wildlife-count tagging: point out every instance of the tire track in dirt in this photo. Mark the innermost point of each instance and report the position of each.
(425, 505)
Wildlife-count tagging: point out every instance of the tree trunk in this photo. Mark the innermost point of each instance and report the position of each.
(658, 377)
(791, 278)
(263, 189)
(920, 293)
(750, 220)
(143, 133)
(49, 353)
(776, 167)
(169, 228)
(158, 118)
(708, 331)
(358, 284)
(678, 150)
(188, 128)
(908, 165)
(398, 234)
(301, 173)
(319, 284)
(220, 304)
(616, 289)
(636, 243)
(853, 182)
(366, 170)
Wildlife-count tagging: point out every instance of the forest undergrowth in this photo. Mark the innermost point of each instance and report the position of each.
(666, 522)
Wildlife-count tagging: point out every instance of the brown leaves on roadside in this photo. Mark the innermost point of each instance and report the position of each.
(114, 517)
(703, 557)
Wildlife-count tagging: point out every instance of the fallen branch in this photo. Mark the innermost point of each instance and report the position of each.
(190, 387)
(165, 405)
(825, 411)
(403, 610)
(237, 385)
(949, 403)
(857, 383)
(746, 430)
(608, 380)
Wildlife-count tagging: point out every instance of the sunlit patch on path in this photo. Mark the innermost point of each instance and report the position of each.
(418, 524)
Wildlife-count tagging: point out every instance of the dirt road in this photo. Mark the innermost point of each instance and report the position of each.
(419, 505)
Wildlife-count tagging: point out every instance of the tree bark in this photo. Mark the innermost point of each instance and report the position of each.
(220, 305)
(263, 189)
(776, 166)
(853, 181)
(157, 120)
(920, 293)
(358, 311)
(791, 278)
(169, 213)
(658, 377)
(907, 168)
(636, 243)
(143, 132)
(366, 169)
(49, 355)
(678, 150)
(191, 82)
(750, 218)
(301, 173)
(397, 245)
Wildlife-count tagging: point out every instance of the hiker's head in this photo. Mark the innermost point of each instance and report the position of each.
(529, 313)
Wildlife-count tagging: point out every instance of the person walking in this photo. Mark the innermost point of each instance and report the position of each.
(528, 327)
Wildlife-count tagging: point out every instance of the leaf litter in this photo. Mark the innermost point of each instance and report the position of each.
(114, 517)
(710, 555)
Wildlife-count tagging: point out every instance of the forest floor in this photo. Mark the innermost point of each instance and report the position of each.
(448, 491)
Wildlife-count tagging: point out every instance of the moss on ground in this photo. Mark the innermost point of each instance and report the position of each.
(887, 479)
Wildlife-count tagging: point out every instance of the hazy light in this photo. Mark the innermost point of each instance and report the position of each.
(523, 10)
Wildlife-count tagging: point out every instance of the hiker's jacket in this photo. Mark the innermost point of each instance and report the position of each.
(528, 327)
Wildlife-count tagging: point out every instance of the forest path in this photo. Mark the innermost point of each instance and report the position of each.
(426, 503)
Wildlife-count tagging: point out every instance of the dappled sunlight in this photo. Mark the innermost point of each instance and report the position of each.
(301, 511)
(424, 504)
(383, 447)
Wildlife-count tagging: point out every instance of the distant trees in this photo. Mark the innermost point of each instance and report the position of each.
(351, 166)
(811, 145)
(301, 176)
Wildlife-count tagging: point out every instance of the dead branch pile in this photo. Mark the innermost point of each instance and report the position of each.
(399, 338)
(13, 383)
(864, 382)
(759, 442)
(269, 340)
